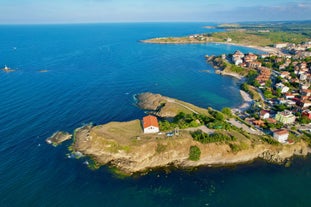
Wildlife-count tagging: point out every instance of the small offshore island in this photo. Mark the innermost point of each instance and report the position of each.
(272, 124)
(7, 69)
(189, 136)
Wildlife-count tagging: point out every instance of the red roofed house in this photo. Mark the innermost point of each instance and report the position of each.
(150, 124)
(281, 135)
(307, 114)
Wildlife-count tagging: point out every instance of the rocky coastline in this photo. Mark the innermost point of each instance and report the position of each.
(124, 146)
(143, 157)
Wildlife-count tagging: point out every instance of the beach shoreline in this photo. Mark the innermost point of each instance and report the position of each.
(247, 102)
(261, 48)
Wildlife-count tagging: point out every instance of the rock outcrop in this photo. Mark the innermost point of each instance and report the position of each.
(58, 138)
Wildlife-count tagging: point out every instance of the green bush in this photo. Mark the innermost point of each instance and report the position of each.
(270, 140)
(183, 121)
(166, 126)
(227, 111)
(194, 153)
(238, 147)
(210, 138)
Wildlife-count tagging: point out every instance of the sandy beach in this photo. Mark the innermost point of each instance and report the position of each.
(247, 102)
(264, 49)
(235, 75)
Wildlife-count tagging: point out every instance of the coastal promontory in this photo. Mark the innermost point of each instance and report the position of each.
(190, 137)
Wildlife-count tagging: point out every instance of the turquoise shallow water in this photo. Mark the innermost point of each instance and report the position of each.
(93, 73)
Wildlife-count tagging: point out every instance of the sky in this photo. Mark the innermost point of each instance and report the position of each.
(85, 11)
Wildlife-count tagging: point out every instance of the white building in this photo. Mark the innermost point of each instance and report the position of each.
(237, 57)
(281, 135)
(238, 61)
(285, 117)
(284, 89)
(280, 45)
(150, 124)
(264, 114)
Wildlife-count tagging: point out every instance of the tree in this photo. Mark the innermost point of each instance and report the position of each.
(278, 92)
(194, 153)
(293, 75)
(281, 107)
(268, 94)
(244, 87)
(268, 83)
(304, 120)
(226, 111)
(219, 116)
(256, 83)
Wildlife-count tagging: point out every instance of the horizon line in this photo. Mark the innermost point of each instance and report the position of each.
(146, 22)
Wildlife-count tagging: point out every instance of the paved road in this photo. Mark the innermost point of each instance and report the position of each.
(244, 127)
(203, 128)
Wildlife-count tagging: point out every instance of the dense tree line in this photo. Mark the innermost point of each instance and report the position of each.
(210, 138)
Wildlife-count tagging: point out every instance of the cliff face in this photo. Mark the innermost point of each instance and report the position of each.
(143, 153)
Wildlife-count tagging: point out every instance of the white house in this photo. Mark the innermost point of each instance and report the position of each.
(237, 57)
(281, 135)
(237, 61)
(150, 124)
(284, 89)
(264, 114)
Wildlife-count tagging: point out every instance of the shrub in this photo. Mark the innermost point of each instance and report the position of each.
(227, 111)
(160, 148)
(194, 153)
(215, 137)
(238, 147)
(270, 140)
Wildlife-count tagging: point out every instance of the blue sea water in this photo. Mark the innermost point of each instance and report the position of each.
(93, 72)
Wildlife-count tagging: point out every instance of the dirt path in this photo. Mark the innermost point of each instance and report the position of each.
(173, 101)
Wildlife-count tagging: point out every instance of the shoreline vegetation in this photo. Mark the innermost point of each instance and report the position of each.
(204, 139)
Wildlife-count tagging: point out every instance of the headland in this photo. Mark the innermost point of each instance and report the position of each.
(126, 147)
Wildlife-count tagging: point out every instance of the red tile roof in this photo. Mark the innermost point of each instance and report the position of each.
(281, 132)
(271, 120)
(150, 121)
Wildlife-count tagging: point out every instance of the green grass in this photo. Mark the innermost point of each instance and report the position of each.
(248, 36)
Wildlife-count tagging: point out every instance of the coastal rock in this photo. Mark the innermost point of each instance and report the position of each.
(166, 107)
(58, 138)
(284, 153)
(150, 101)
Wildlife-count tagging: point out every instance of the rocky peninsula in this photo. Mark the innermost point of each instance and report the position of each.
(124, 146)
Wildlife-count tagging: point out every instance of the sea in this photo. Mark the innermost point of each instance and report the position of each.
(70, 75)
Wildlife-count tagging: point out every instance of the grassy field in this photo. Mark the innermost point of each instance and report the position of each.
(122, 132)
(263, 34)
